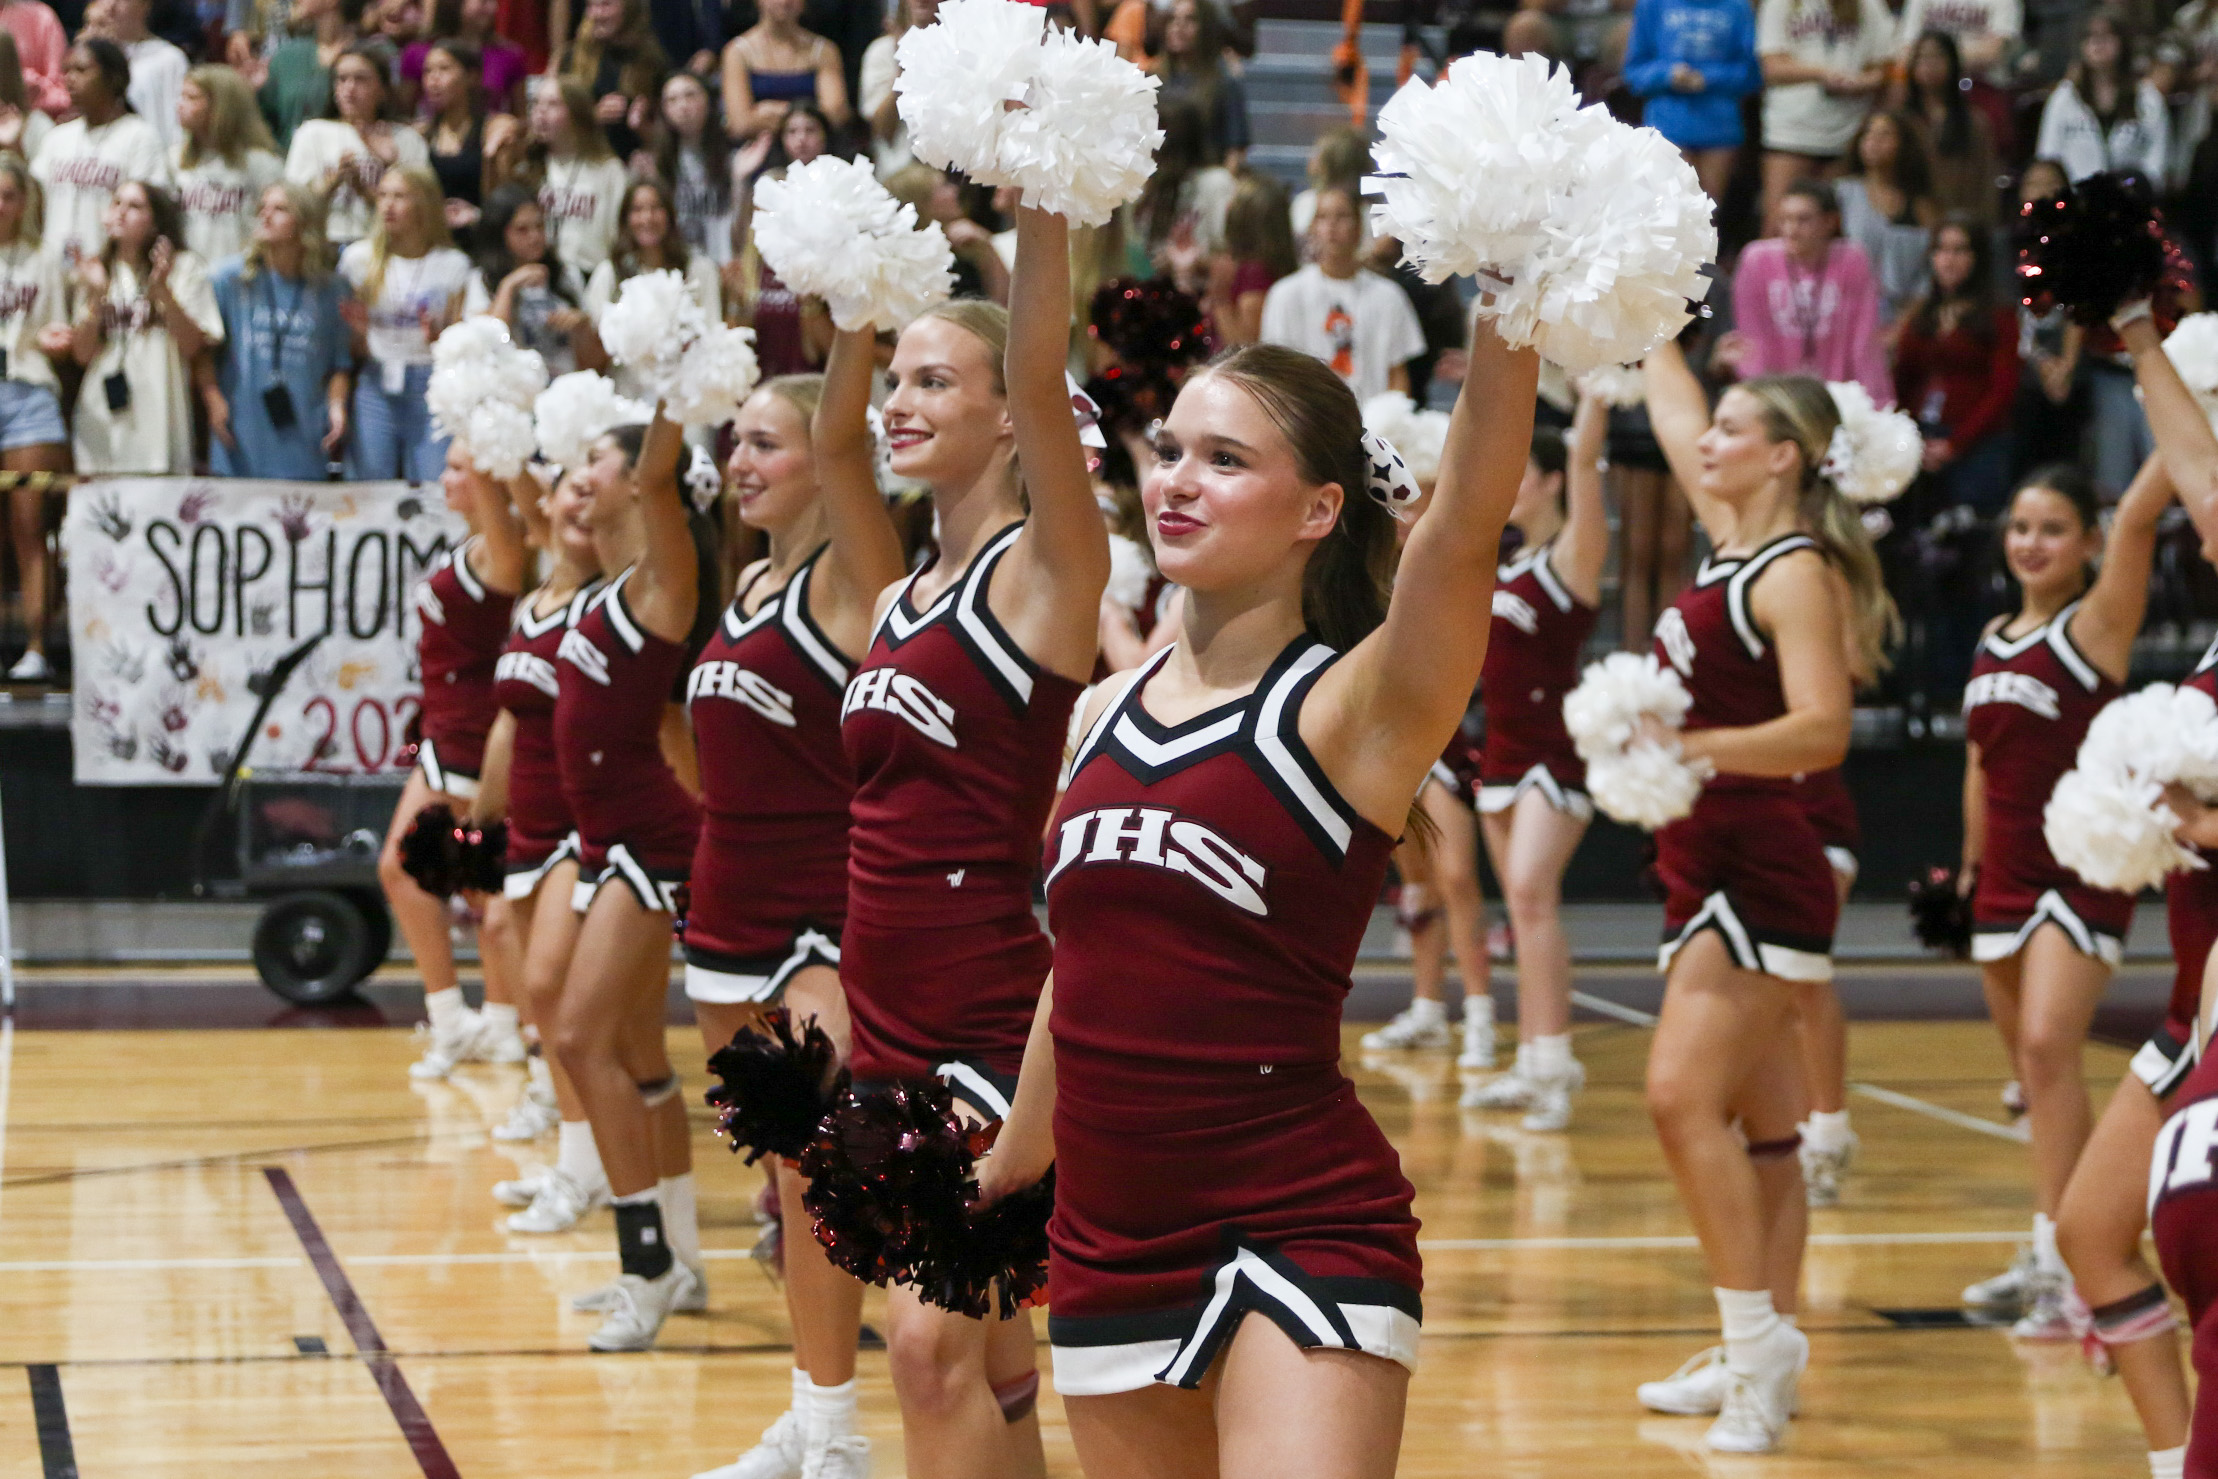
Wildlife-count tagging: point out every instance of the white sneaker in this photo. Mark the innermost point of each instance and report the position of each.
(31, 667)
(444, 1050)
(840, 1458)
(500, 1043)
(1758, 1404)
(1549, 1109)
(2013, 1098)
(692, 1297)
(1421, 1024)
(1822, 1171)
(531, 1118)
(1478, 1032)
(1511, 1090)
(2049, 1314)
(778, 1456)
(637, 1308)
(559, 1206)
(524, 1189)
(2013, 1288)
(1696, 1389)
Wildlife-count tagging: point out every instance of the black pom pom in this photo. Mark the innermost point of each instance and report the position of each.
(997, 1257)
(431, 850)
(1152, 324)
(1940, 915)
(2091, 250)
(485, 858)
(774, 1088)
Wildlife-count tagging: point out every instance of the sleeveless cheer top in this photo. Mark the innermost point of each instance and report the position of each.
(614, 677)
(1532, 661)
(465, 626)
(527, 684)
(1709, 637)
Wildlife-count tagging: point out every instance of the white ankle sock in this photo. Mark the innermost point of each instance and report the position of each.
(445, 1007)
(803, 1400)
(1478, 1008)
(1550, 1057)
(830, 1414)
(500, 1014)
(1523, 1067)
(577, 1157)
(539, 1076)
(1427, 1009)
(2044, 1244)
(681, 1220)
(1826, 1129)
(2168, 1463)
(1749, 1320)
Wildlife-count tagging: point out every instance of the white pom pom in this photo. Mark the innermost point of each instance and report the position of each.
(1085, 141)
(1603, 713)
(831, 231)
(572, 414)
(2113, 830)
(1130, 573)
(650, 325)
(1421, 436)
(956, 78)
(1616, 385)
(2193, 351)
(1874, 453)
(481, 392)
(1643, 786)
(714, 377)
(2160, 734)
(1592, 235)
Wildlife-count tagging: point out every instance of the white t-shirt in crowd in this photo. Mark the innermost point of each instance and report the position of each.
(1802, 117)
(321, 145)
(582, 199)
(414, 287)
(158, 71)
(153, 433)
(1362, 326)
(1966, 20)
(33, 294)
(220, 199)
(78, 169)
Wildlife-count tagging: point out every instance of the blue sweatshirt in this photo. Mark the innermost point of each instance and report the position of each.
(1717, 38)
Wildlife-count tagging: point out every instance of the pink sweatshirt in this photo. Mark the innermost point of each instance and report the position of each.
(1823, 323)
(40, 44)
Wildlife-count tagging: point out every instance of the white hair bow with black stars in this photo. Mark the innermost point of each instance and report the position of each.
(1387, 478)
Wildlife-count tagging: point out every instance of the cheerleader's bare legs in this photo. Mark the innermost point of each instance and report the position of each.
(424, 922)
(1443, 871)
(1531, 844)
(575, 1184)
(1269, 1409)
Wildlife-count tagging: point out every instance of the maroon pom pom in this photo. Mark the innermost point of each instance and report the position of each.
(774, 1087)
(431, 850)
(998, 1256)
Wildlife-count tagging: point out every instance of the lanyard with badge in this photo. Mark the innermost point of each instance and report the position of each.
(277, 397)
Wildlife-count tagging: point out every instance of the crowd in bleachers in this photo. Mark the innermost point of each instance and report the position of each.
(229, 232)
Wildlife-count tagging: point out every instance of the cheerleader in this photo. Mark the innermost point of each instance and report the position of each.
(1231, 811)
(954, 723)
(1760, 640)
(464, 604)
(1828, 1142)
(2183, 1217)
(2102, 1216)
(2046, 943)
(523, 783)
(615, 672)
(770, 874)
(1532, 802)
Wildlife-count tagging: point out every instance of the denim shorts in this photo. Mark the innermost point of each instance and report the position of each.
(30, 416)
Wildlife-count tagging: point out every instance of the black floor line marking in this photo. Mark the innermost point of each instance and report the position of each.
(415, 1424)
(57, 1453)
(46, 1178)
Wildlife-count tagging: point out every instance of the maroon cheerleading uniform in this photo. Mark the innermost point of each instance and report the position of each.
(1832, 811)
(2191, 919)
(769, 887)
(1208, 889)
(2183, 1218)
(2027, 707)
(1532, 661)
(956, 738)
(526, 683)
(465, 626)
(635, 822)
(1746, 861)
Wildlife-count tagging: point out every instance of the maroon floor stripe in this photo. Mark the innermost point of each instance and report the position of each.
(415, 1424)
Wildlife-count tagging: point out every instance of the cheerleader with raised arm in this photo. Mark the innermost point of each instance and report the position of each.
(770, 875)
(1760, 642)
(1533, 805)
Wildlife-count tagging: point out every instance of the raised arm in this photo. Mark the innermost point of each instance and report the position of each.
(1583, 548)
(499, 556)
(1377, 719)
(1048, 591)
(866, 548)
(2184, 438)
(1678, 411)
(666, 592)
(1800, 608)
(2109, 615)
(527, 495)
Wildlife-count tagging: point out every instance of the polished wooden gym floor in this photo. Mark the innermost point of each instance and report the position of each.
(264, 1252)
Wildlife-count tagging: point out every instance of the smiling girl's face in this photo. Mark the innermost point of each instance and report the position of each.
(1227, 504)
